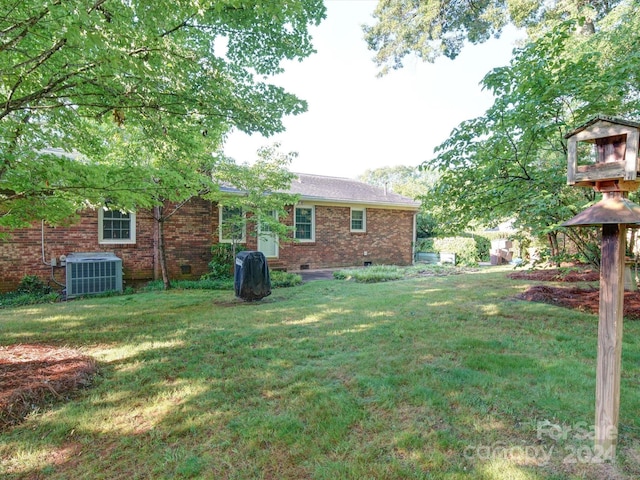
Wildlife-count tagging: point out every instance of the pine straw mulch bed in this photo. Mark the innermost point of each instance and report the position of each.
(585, 299)
(35, 375)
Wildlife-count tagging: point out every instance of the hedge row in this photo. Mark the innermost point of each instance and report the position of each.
(469, 249)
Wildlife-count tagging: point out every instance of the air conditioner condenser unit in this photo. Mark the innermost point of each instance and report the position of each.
(91, 273)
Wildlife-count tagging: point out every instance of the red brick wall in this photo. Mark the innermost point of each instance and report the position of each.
(190, 233)
(188, 243)
(388, 240)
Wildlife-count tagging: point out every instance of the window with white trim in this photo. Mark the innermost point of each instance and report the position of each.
(116, 227)
(304, 224)
(232, 224)
(358, 220)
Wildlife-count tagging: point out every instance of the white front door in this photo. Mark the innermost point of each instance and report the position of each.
(267, 240)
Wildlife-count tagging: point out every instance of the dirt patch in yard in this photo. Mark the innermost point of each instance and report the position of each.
(585, 299)
(34, 375)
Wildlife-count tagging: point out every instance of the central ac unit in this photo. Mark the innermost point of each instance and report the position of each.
(91, 273)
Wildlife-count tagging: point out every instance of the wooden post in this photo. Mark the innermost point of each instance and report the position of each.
(615, 172)
(609, 339)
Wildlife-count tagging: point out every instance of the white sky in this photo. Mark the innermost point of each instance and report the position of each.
(356, 121)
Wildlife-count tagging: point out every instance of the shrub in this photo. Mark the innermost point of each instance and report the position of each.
(374, 274)
(425, 245)
(284, 279)
(483, 248)
(34, 285)
(31, 290)
(464, 248)
(221, 264)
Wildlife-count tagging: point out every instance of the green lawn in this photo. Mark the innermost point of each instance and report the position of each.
(435, 377)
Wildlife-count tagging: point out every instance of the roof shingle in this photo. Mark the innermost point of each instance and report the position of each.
(321, 188)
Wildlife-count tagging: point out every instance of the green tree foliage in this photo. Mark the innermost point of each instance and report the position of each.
(174, 77)
(411, 182)
(258, 192)
(511, 162)
(581, 60)
(408, 181)
(431, 28)
(464, 248)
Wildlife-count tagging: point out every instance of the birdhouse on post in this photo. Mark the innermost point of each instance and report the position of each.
(603, 154)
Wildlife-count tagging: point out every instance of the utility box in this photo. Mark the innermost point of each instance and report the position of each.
(251, 277)
(602, 151)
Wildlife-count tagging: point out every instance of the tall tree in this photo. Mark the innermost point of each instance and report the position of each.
(511, 162)
(256, 194)
(404, 180)
(259, 189)
(431, 28)
(411, 182)
(194, 67)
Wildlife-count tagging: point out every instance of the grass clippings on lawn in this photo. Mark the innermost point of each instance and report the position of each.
(34, 375)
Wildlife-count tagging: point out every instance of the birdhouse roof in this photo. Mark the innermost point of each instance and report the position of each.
(604, 118)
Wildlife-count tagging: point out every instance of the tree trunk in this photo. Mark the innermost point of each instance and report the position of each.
(553, 245)
(156, 248)
(158, 212)
(588, 245)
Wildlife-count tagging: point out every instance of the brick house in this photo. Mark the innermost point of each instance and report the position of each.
(337, 223)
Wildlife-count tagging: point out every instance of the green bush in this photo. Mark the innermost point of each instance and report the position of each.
(284, 279)
(425, 245)
(31, 290)
(463, 247)
(33, 284)
(483, 248)
(373, 274)
(221, 264)
(278, 280)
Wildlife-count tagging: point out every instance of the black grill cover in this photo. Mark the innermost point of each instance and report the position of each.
(251, 278)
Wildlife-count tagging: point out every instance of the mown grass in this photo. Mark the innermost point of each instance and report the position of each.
(278, 280)
(444, 377)
(18, 298)
(388, 273)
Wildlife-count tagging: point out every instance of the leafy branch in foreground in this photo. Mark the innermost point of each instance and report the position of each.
(70, 68)
(510, 163)
(429, 29)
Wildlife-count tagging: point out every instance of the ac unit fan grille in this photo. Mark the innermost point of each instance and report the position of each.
(87, 275)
